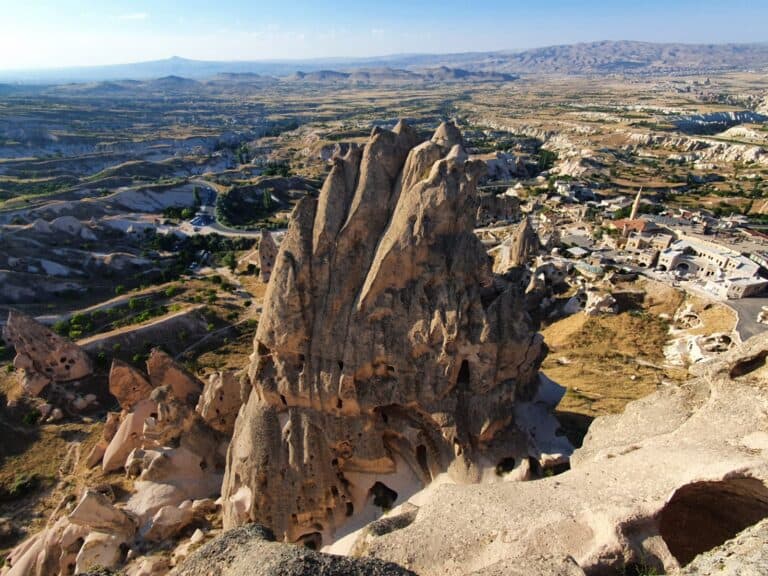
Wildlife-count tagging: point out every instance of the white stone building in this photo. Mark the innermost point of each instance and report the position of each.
(724, 272)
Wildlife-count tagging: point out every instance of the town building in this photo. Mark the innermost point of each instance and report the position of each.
(725, 272)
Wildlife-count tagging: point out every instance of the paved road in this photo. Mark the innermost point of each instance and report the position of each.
(748, 309)
(188, 229)
(208, 196)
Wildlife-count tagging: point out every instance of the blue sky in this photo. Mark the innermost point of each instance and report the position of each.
(54, 33)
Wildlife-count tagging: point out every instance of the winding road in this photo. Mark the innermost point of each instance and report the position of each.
(208, 196)
(747, 310)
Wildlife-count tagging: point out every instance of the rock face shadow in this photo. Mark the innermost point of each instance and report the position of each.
(18, 437)
(574, 425)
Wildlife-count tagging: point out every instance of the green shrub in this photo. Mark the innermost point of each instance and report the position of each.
(230, 261)
(23, 484)
(31, 418)
(61, 327)
(547, 159)
(277, 169)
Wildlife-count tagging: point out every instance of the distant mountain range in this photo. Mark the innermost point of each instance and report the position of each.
(608, 57)
(234, 82)
(394, 75)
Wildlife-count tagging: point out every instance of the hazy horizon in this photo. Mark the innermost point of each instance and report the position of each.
(347, 58)
(83, 33)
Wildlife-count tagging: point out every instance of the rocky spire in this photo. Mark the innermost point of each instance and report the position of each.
(383, 356)
(519, 248)
(636, 205)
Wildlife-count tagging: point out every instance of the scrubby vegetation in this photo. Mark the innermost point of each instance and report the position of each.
(248, 206)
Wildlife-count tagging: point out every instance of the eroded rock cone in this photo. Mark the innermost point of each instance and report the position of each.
(521, 248)
(127, 384)
(387, 353)
(165, 371)
(220, 401)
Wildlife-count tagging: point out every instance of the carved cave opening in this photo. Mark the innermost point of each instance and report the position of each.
(749, 365)
(313, 540)
(505, 465)
(383, 496)
(703, 515)
(463, 379)
(535, 467)
(558, 468)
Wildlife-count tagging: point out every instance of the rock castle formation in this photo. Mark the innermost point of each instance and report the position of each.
(387, 353)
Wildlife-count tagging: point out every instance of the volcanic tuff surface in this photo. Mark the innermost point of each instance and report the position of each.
(387, 352)
(251, 551)
(653, 489)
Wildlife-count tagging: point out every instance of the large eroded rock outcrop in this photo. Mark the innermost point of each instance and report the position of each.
(174, 453)
(387, 352)
(43, 355)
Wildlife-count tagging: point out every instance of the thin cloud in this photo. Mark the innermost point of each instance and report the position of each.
(134, 16)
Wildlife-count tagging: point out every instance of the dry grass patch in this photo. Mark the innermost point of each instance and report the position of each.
(605, 362)
(47, 467)
(660, 298)
(714, 317)
(232, 355)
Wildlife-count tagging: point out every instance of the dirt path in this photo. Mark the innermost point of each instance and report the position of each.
(51, 319)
